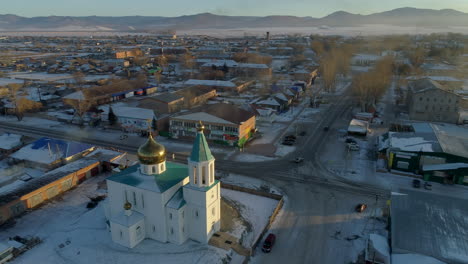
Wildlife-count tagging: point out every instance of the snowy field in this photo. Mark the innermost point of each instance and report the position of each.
(74, 234)
(255, 209)
(249, 182)
(364, 30)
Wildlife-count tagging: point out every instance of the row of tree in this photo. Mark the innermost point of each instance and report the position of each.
(334, 59)
(371, 86)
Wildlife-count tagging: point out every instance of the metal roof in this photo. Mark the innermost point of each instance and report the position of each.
(159, 183)
(430, 224)
(200, 149)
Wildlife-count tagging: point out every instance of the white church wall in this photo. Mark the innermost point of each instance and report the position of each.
(173, 226)
(182, 224)
(154, 218)
(120, 234)
(200, 210)
(137, 233)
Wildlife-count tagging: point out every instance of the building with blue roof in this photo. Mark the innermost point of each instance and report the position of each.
(50, 152)
(165, 201)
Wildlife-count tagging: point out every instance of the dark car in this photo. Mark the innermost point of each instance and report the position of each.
(350, 140)
(427, 186)
(361, 207)
(288, 143)
(269, 242)
(303, 133)
(290, 137)
(326, 128)
(416, 183)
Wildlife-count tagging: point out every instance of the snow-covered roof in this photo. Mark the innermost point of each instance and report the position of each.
(269, 101)
(204, 117)
(452, 139)
(127, 221)
(48, 150)
(177, 200)
(447, 166)
(134, 112)
(280, 96)
(210, 83)
(76, 96)
(9, 141)
(414, 259)
(413, 144)
(430, 224)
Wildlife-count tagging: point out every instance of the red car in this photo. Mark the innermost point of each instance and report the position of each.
(269, 242)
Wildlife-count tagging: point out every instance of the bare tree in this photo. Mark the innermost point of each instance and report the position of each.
(21, 104)
(80, 104)
(79, 78)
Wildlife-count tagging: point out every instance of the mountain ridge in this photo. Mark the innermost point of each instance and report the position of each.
(406, 16)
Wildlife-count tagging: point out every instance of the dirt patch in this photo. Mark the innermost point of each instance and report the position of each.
(228, 215)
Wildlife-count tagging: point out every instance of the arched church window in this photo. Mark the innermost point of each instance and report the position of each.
(195, 181)
(203, 175)
(211, 173)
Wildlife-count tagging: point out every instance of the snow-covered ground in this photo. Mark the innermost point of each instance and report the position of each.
(73, 234)
(246, 157)
(254, 209)
(249, 182)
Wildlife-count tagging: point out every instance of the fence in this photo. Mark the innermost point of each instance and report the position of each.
(271, 218)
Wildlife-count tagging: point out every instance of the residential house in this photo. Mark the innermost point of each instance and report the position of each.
(9, 143)
(163, 103)
(50, 153)
(224, 123)
(134, 119)
(429, 101)
(196, 95)
(269, 103)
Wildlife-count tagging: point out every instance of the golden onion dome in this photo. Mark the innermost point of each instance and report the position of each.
(151, 152)
(127, 205)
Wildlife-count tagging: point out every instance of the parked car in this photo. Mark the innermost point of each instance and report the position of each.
(353, 146)
(416, 183)
(290, 137)
(299, 159)
(350, 140)
(269, 243)
(361, 208)
(288, 143)
(303, 133)
(427, 186)
(326, 128)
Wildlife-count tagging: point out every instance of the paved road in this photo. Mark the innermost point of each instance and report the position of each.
(318, 201)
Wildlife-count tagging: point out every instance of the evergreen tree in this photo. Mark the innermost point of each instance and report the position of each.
(112, 117)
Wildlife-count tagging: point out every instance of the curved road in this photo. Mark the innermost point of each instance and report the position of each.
(317, 203)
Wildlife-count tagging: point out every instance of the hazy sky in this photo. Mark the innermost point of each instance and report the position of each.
(315, 8)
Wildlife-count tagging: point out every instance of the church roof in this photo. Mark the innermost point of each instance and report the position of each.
(127, 221)
(200, 149)
(177, 200)
(160, 183)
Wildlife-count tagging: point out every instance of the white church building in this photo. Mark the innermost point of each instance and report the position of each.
(165, 201)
